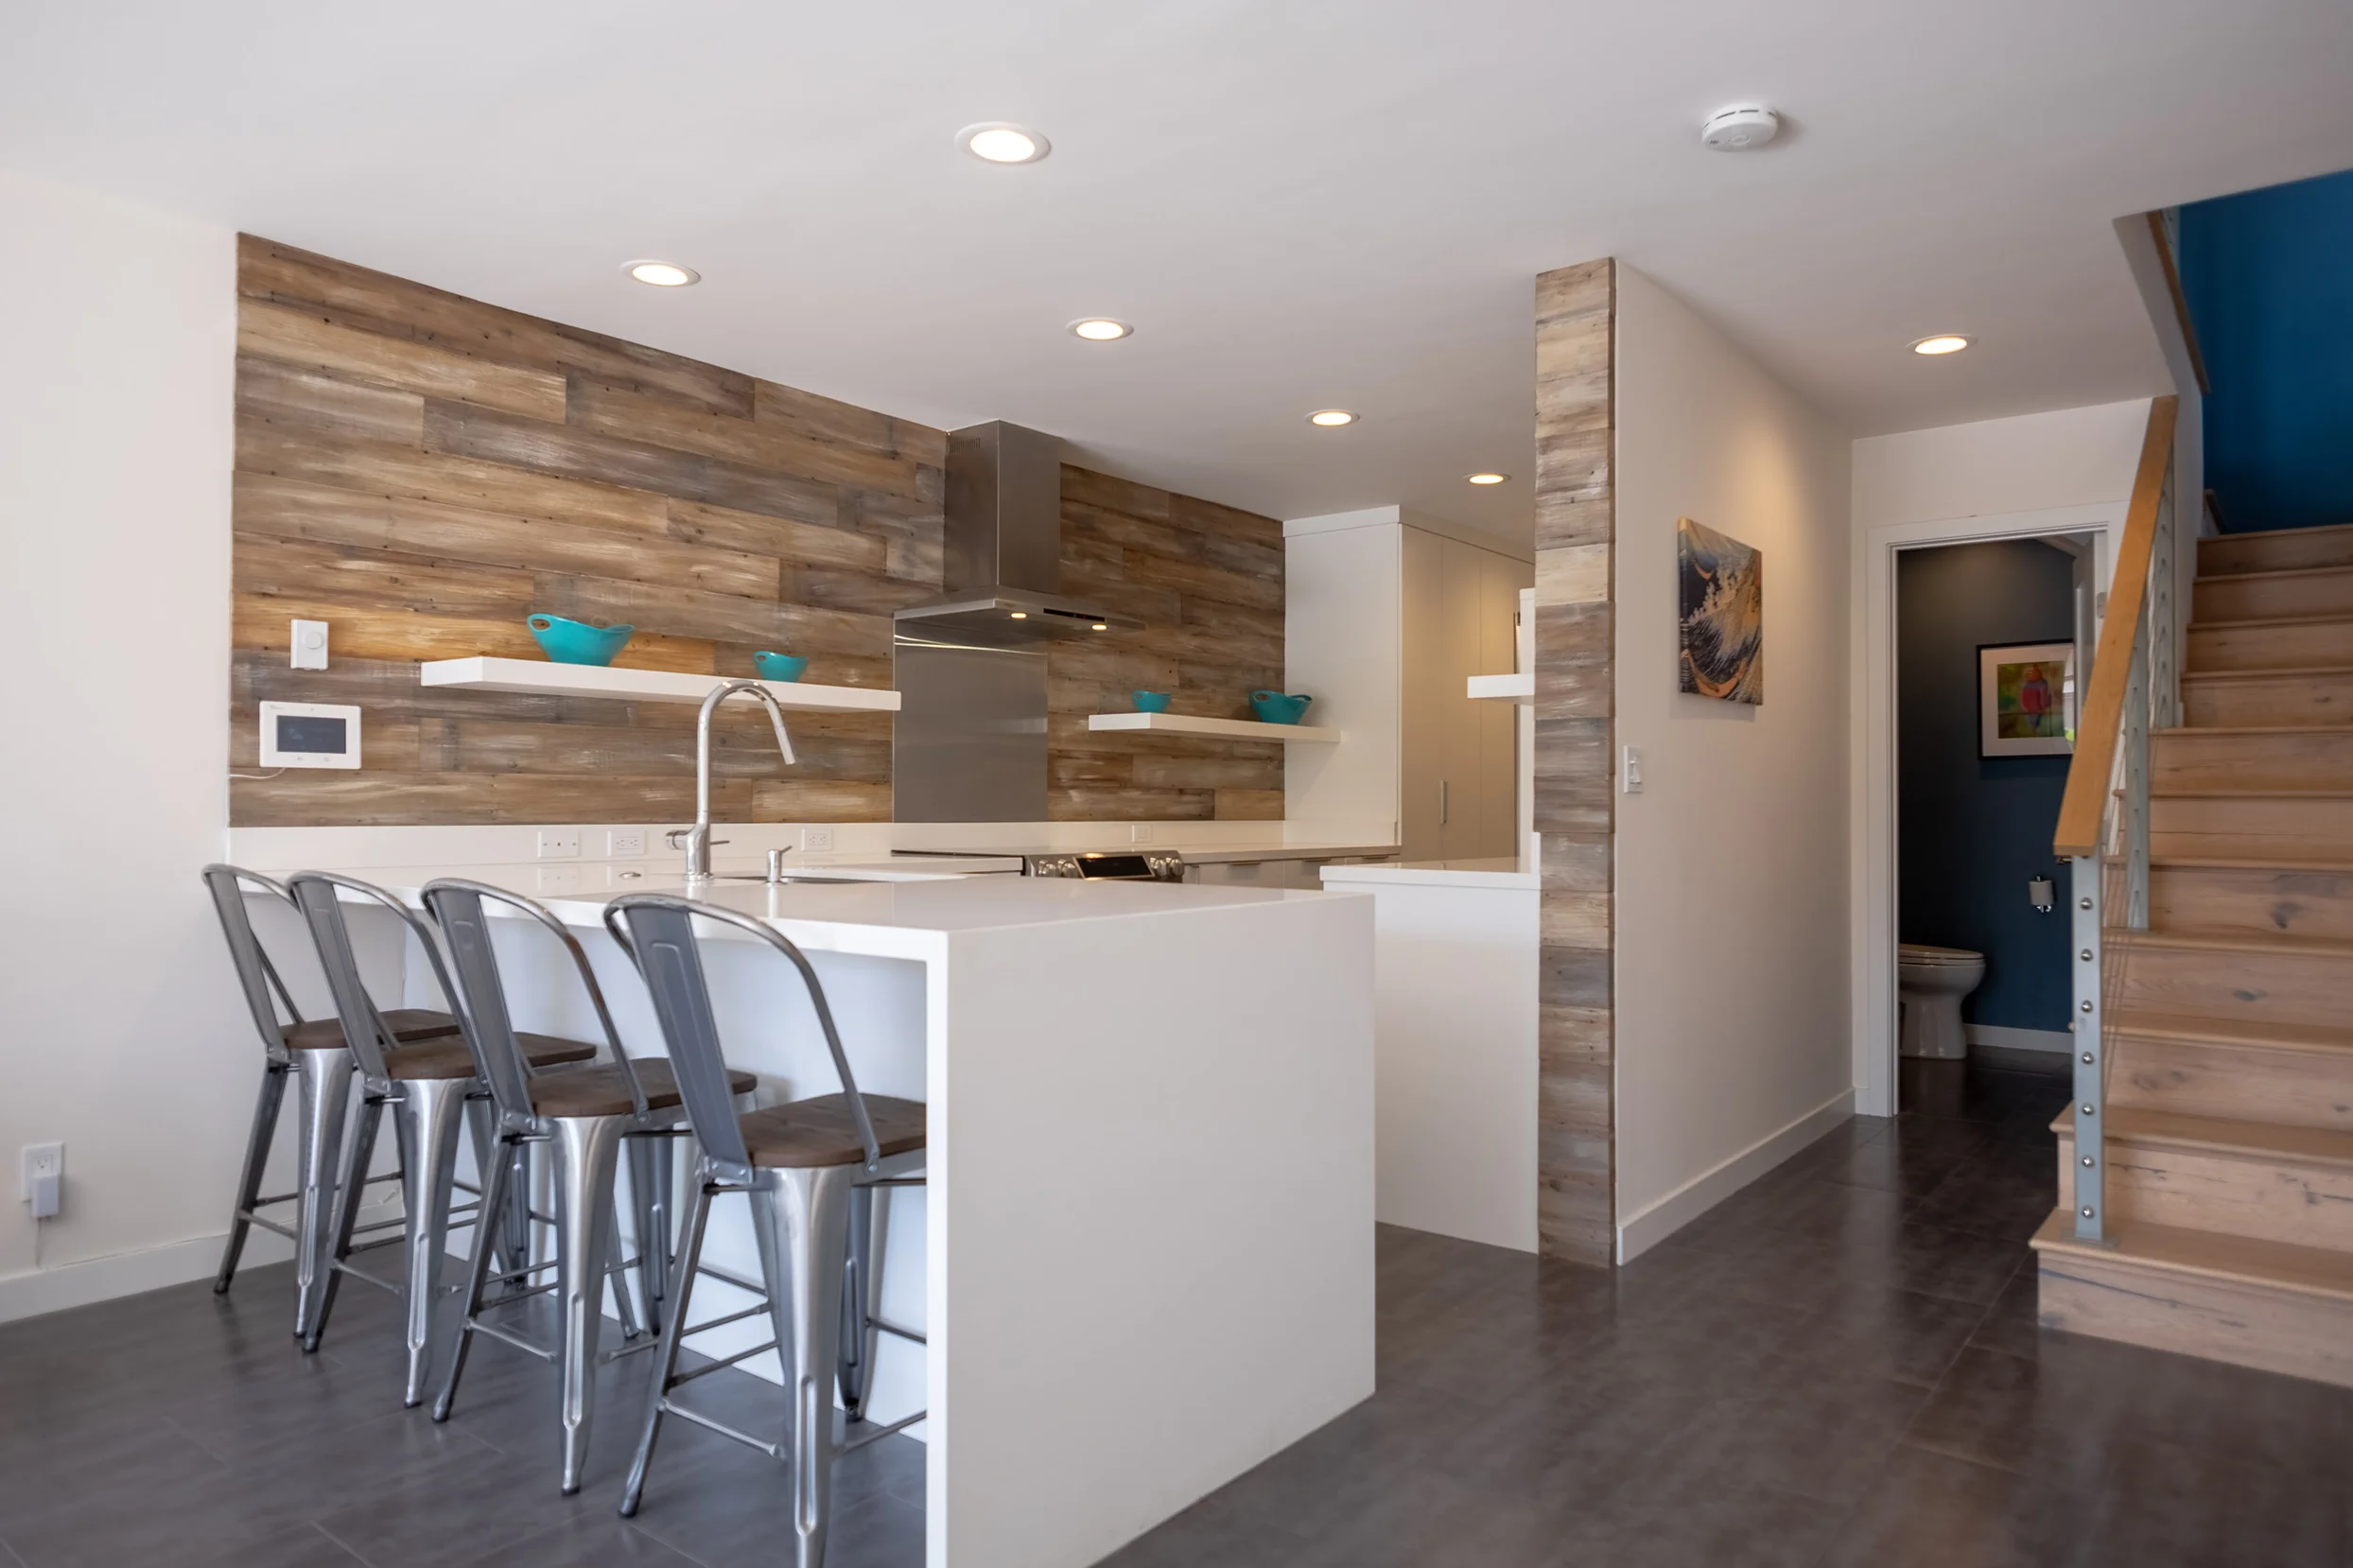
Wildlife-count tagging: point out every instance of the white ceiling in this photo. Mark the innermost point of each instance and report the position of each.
(1298, 204)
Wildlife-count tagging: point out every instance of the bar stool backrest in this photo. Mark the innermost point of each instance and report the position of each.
(257, 976)
(456, 906)
(364, 1029)
(660, 938)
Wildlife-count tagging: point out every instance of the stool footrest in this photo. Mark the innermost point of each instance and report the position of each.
(773, 1451)
(511, 1338)
(875, 1434)
(680, 1378)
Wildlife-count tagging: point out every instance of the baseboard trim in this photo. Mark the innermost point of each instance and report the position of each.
(2006, 1039)
(1638, 1233)
(60, 1286)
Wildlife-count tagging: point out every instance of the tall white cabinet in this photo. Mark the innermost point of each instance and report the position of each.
(1388, 613)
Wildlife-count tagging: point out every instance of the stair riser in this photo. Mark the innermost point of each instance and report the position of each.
(2325, 698)
(2187, 760)
(2264, 987)
(2306, 1336)
(2297, 1089)
(2270, 826)
(2289, 551)
(2249, 901)
(2320, 593)
(2291, 645)
(2270, 1199)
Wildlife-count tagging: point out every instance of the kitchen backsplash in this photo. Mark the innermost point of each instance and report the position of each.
(421, 471)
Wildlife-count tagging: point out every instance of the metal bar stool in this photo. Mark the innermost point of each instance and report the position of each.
(313, 1052)
(585, 1115)
(427, 1086)
(800, 1163)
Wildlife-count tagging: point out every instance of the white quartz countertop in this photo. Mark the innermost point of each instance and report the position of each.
(893, 917)
(1502, 872)
(1219, 854)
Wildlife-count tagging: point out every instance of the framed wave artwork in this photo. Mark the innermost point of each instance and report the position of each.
(2026, 699)
(1722, 628)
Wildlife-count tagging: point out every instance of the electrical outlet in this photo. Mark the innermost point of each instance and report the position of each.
(44, 1177)
(559, 878)
(816, 840)
(559, 843)
(1139, 833)
(624, 844)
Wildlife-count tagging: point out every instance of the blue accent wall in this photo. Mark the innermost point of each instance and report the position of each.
(2268, 277)
(1972, 831)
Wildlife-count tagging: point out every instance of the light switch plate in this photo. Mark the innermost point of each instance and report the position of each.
(307, 645)
(559, 843)
(1631, 777)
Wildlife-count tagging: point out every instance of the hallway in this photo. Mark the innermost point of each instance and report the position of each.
(1840, 1366)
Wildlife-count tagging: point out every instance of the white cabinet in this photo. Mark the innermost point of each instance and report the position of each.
(1388, 615)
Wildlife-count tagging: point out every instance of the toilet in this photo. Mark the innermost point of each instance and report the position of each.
(1930, 984)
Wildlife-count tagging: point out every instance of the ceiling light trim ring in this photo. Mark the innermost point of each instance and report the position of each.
(1486, 476)
(1003, 131)
(686, 277)
(1120, 329)
(1941, 342)
(1331, 419)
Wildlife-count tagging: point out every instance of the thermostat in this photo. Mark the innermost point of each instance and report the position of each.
(310, 734)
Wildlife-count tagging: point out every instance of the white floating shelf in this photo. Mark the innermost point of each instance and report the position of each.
(538, 678)
(1504, 689)
(1223, 729)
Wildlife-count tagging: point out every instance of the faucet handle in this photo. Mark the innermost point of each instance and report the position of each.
(677, 838)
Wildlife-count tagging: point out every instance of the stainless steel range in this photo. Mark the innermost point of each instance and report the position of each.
(1094, 865)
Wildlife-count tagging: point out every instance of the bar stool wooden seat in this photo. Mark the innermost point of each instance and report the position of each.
(585, 1115)
(427, 1086)
(803, 1165)
(314, 1053)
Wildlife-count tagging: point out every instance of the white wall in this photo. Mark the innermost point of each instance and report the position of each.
(1731, 879)
(121, 1032)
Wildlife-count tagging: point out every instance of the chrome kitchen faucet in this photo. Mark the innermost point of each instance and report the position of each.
(696, 840)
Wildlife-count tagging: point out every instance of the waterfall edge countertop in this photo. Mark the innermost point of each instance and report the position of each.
(1151, 1113)
(1500, 872)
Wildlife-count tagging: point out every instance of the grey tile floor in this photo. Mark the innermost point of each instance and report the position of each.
(1840, 1366)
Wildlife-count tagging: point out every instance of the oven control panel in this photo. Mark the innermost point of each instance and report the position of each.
(1159, 865)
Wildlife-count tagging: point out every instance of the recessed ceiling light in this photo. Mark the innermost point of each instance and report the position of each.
(1487, 478)
(1944, 342)
(1020, 615)
(1332, 418)
(1103, 625)
(997, 142)
(1101, 329)
(662, 274)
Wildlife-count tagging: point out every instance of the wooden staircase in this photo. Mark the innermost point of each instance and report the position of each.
(2229, 1117)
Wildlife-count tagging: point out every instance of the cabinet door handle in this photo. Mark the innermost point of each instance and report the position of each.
(1441, 803)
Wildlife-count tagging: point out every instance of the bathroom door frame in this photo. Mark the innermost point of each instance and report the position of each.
(1872, 853)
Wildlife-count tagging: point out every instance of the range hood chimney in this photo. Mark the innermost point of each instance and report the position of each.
(1003, 538)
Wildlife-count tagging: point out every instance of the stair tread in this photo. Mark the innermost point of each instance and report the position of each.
(2279, 1037)
(2196, 940)
(2225, 623)
(2274, 672)
(2214, 1255)
(2220, 1135)
(2257, 791)
(2276, 571)
(2249, 729)
(2277, 532)
(2252, 862)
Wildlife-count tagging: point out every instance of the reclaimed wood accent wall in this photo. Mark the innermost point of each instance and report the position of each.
(1207, 582)
(1575, 746)
(421, 471)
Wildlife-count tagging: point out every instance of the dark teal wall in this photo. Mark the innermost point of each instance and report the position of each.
(2269, 278)
(1972, 831)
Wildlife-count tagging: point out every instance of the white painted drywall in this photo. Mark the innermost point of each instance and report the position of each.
(1732, 883)
(2070, 457)
(121, 1031)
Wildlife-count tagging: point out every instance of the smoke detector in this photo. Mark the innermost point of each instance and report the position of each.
(1743, 127)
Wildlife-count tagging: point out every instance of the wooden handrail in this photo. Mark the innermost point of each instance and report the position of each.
(2100, 715)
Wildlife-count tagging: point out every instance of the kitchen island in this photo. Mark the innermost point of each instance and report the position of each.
(1144, 1263)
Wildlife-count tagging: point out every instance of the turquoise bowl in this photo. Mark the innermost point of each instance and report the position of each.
(780, 667)
(1273, 707)
(576, 641)
(1150, 702)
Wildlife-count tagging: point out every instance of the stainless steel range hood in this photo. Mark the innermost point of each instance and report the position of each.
(1003, 538)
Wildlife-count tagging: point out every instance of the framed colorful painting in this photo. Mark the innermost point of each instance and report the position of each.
(1720, 624)
(2026, 699)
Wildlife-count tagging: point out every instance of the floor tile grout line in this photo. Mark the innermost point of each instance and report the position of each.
(356, 1556)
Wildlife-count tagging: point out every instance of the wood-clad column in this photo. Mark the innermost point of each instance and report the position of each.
(1575, 433)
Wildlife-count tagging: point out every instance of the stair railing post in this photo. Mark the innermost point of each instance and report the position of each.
(2136, 768)
(2090, 1052)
